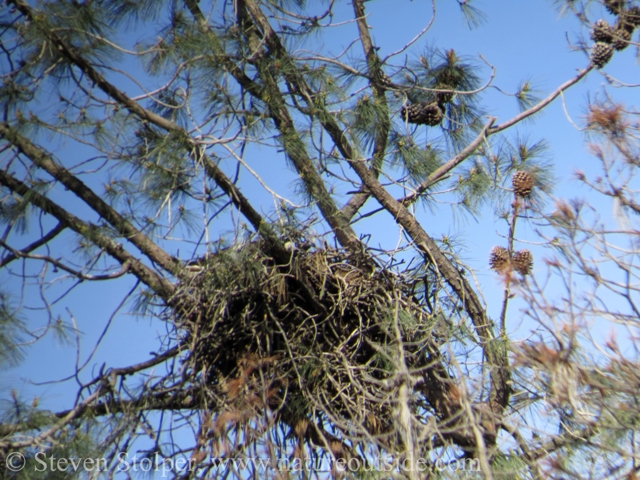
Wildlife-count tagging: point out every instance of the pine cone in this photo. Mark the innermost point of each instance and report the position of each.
(632, 16)
(601, 53)
(522, 262)
(422, 113)
(411, 112)
(621, 37)
(432, 114)
(522, 183)
(625, 23)
(601, 32)
(444, 97)
(499, 259)
(385, 81)
(614, 6)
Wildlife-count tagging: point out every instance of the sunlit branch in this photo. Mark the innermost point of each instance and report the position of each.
(443, 170)
(543, 103)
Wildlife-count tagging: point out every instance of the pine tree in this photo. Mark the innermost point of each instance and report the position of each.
(139, 141)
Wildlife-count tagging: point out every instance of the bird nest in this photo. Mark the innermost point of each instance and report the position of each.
(319, 334)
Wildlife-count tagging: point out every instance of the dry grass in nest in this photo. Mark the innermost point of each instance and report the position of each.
(258, 338)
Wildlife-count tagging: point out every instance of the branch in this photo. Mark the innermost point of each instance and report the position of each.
(543, 103)
(161, 286)
(72, 183)
(292, 143)
(71, 55)
(440, 173)
(382, 135)
(496, 356)
(10, 429)
(58, 264)
(66, 419)
(37, 244)
(145, 245)
(487, 131)
(211, 168)
(561, 441)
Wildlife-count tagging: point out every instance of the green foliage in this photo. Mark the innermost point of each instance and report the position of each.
(417, 162)
(370, 118)
(491, 175)
(127, 14)
(15, 211)
(70, 443)
(439, 73)
(473, 185)
(81, 27)
(472, 14)
(533, 157)
(527, 95)
(509, 466)
(170, 104)
(162, 169)
(75, 440)
(12, 332)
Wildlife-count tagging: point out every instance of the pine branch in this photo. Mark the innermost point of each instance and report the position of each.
(443, 170)
(486, 132)
(51, 431)
(58, 264)
(292, 142)
(543, 103)
(376, 74)
(161, 286)
(72, 183)
(88, 405)
(338, 221)
(144, 114)
(75, 58)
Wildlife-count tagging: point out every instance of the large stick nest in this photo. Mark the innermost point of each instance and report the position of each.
(319, 334)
